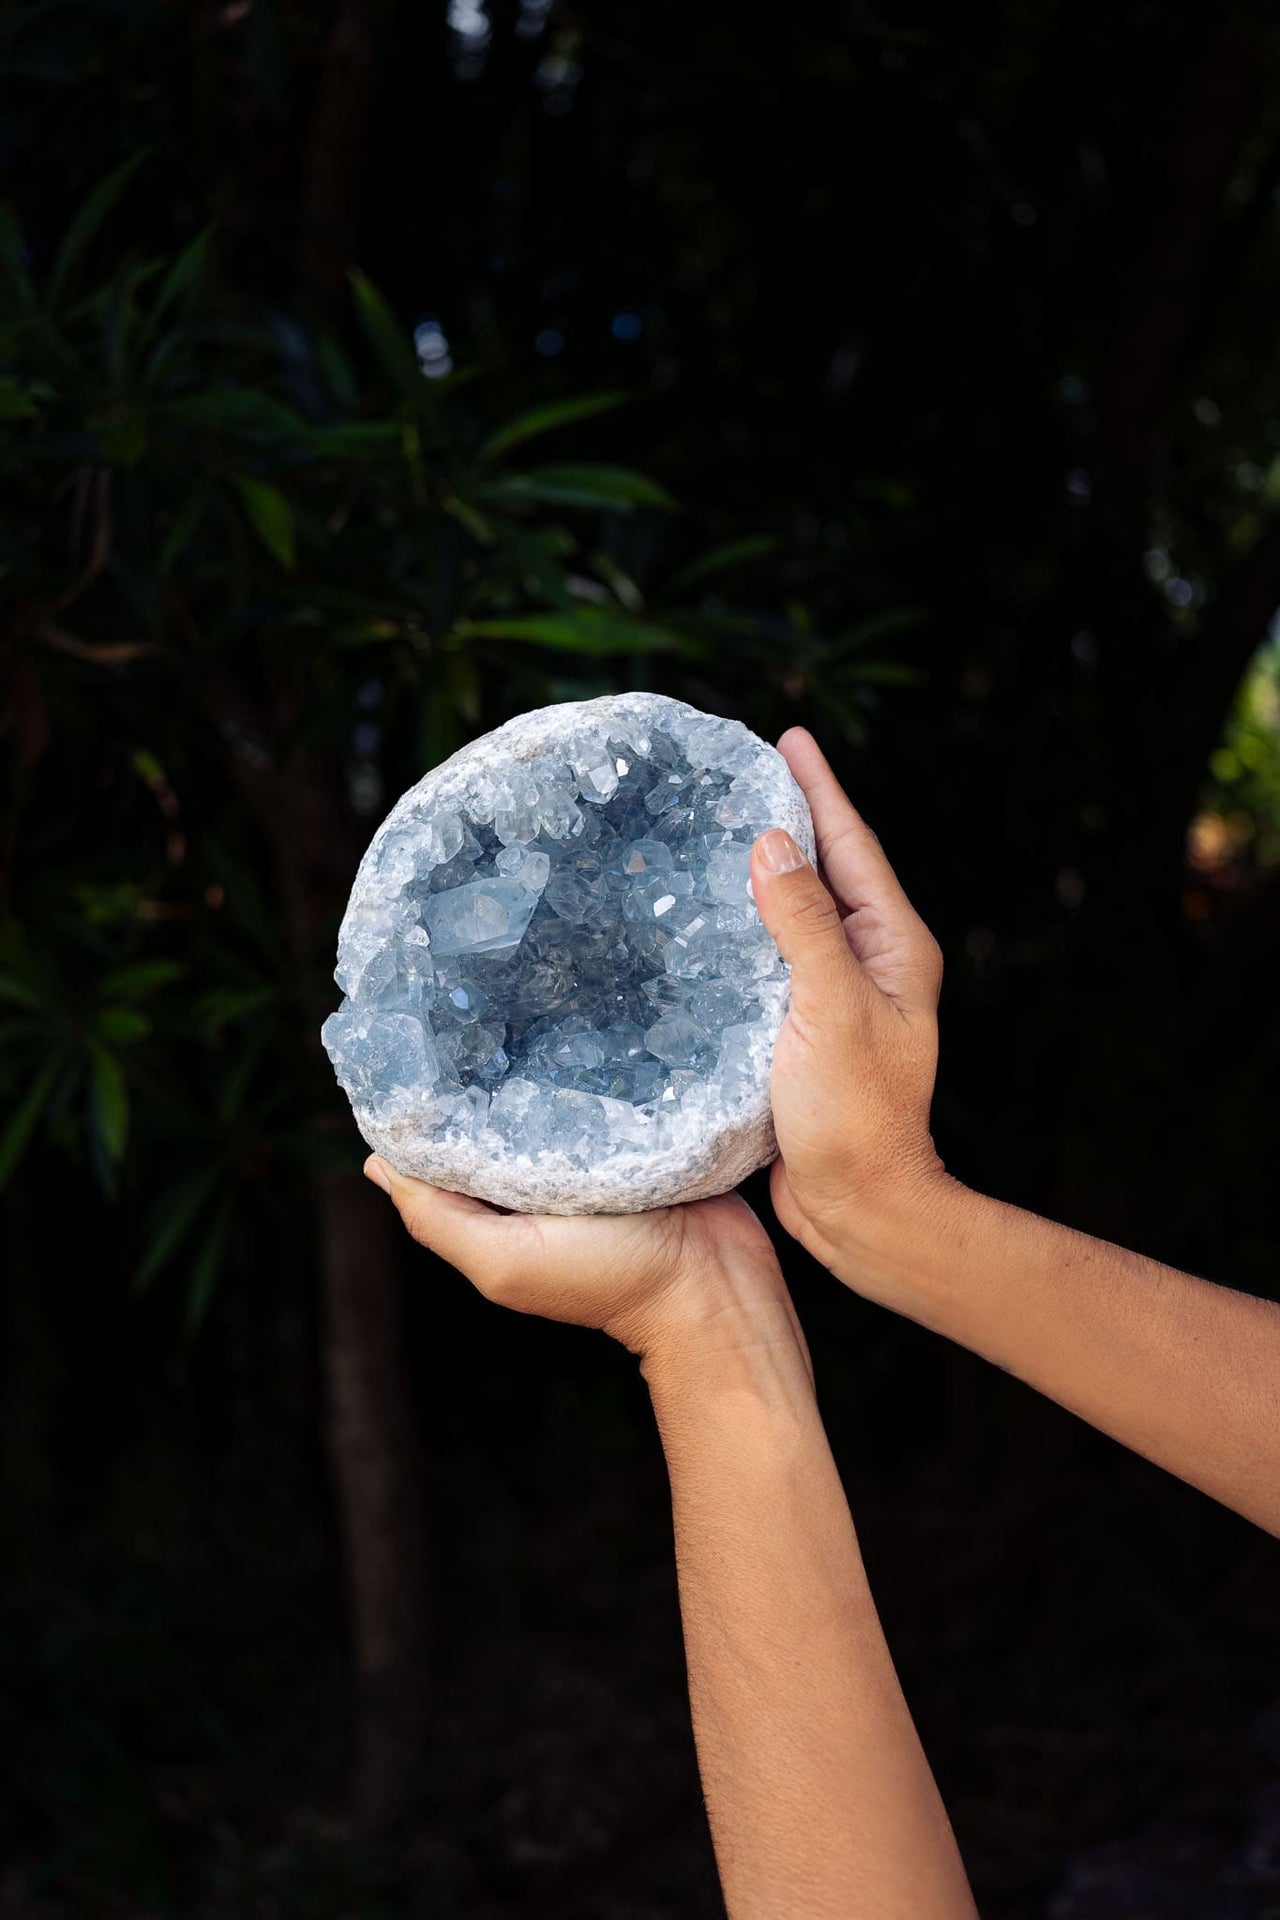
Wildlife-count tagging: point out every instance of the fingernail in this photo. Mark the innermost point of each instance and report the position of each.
(779, 852)
(375, 1171)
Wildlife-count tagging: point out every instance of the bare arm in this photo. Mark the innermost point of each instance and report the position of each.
(1183, 1371)
(821, 1802)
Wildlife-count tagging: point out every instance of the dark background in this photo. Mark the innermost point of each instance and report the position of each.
(950, 426)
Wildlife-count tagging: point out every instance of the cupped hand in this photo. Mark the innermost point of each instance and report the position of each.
(854, 1066)
(673, 1273)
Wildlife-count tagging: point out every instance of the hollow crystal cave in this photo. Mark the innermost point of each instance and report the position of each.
(554, 953)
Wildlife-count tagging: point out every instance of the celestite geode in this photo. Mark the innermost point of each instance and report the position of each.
(559, 994)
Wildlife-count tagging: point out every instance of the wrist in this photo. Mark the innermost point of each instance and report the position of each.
(901, 1245)
(733, 1327)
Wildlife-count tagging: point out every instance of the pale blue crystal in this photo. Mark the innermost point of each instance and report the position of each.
(482, 917)
(568, 950)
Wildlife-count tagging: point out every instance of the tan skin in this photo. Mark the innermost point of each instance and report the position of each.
(820, 1799)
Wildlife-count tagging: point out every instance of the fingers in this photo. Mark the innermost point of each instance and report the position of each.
(467, 1233)
(806, 924)
(884, 929)
(851, 855)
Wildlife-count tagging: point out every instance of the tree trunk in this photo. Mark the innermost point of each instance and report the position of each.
(371, 1437)
(331, 158)
(373, 1450)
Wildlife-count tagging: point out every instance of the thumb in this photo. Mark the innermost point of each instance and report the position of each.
(805, 922)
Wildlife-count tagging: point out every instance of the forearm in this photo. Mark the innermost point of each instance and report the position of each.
(820, 1799)
(1183, 1371)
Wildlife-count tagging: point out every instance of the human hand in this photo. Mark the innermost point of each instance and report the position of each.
(854, 1066)
(704, 1271)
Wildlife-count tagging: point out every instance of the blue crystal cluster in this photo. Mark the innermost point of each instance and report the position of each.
(564, 948)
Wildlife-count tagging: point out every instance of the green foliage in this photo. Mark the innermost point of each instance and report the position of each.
(1245, 770)
(246, 552)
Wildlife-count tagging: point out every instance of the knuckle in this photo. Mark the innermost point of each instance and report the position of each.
(813, 913)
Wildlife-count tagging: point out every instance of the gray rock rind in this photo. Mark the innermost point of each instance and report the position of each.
(702, 1160)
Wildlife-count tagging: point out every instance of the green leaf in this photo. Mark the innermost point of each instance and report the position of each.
(270, 516)
(122, 1025)
(185, 522)
(109, 1104)
(205, 1272)
(558, 413)
(593, 630)
(12, 988)
(222, 1004)
(182, 279)
(86, 224)
(173, 1217)
(721, 560)
(135, 982)
(388, 337)
(22, 1124)
(237, 411)
(241, 1071)
(353, 438)
(16, 403)
(874, 627)
(581, 486)
(475, 523)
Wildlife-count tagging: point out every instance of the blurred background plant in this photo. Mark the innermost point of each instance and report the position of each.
(372, 375)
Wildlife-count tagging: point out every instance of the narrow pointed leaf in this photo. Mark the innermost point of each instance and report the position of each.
(590, 630)
(388, 337)
(206, 1270)
(172, 1220)
(23, 1121)
(581, 486)
(708, 566)
(183, 277)
(86, 224)
(539, 420)
(109, 1104)
(270, 516)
